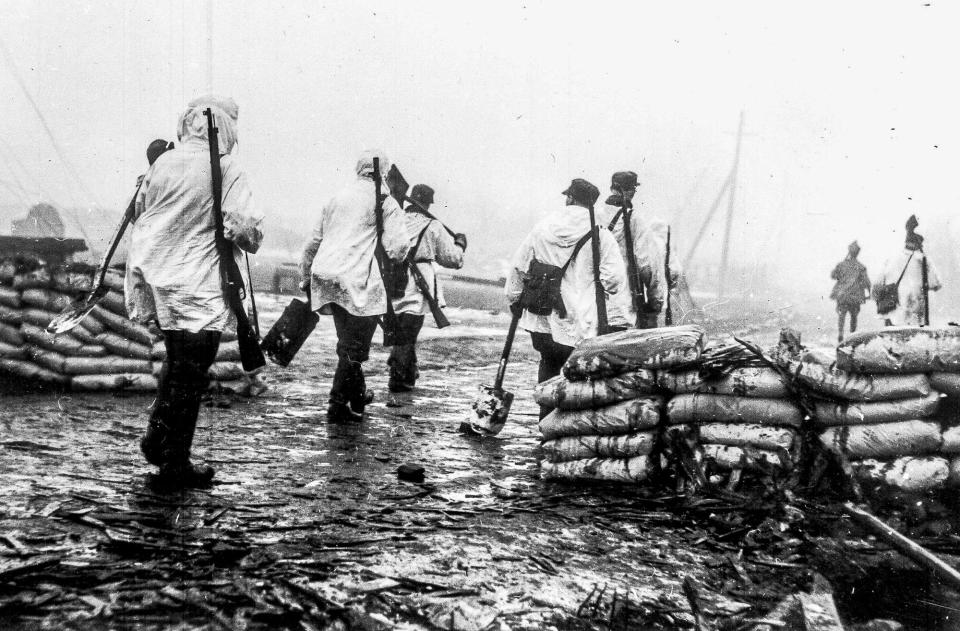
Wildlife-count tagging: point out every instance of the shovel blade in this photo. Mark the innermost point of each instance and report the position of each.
(489, 411)
(70, 318)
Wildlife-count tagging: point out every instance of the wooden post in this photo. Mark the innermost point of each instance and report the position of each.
(725, 254)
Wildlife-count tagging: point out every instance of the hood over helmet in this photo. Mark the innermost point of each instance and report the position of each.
(193, 123)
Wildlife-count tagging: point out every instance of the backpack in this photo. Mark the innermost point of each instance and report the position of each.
(396, 274)
(887, 295)
(541, 287)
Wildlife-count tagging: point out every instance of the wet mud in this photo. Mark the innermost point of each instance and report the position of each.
(309, 526)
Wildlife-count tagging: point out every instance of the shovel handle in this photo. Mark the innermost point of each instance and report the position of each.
(511, 333)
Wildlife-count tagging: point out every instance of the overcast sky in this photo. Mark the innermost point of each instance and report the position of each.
(851, 110)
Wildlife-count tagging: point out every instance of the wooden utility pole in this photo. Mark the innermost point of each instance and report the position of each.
(725, 253)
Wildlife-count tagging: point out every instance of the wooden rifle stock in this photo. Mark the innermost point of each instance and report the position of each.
(251, 357)
(668, 314)
(438, 316)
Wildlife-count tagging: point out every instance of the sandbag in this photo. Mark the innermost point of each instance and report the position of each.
(158, 352)
(73, 282)
(903, 349)
(11, 334)
(9, 315)
(8, 270)
(620, 418)
(30, 371)
(749, 381)
(726, 457)
(583, 447)
(828, 381)
(721, 408)
(630, 470)
(113, 279)
(123, 347)
(47, 299)
(749, 435)
(129, 381)
(114, 302)
(558, 392)
(127, 328)
(886, 440)
(9, 297)
(951, 440)
(65, 343)
(67, 365)
(225, 371)
(81, 333)
(628, 350)
(867, 413)
(946, 382)
(12, 351)
(37, 317)
(234, 386)
(909, 473)
(953, 478)
(39, 277)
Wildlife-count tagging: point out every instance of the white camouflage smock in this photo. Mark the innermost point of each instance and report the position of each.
(173, 268)
(436, 246)
(339, 256)
(552, 241)
(649, 248)
(910, 310)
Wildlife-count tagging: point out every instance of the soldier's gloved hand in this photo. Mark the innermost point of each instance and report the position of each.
(460, 240)
(515, 308)
(304, 285)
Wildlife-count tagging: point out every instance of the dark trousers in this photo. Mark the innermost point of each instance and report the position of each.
(842, 311)
(403, 354)
(183, 380)
(354, 335)
(552, 358)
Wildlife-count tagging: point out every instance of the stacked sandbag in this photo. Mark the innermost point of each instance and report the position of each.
(889, 422)
(106, 351)
(741, 411)
(607, 421)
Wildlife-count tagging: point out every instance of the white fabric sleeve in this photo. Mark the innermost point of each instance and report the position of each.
(242, 220)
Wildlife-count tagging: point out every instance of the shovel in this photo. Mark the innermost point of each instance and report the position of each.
(74, 315)
(490, 410)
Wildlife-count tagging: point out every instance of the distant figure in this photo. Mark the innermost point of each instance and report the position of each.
(851, 290)
(916, 276)
(560, 244)
(430, 244)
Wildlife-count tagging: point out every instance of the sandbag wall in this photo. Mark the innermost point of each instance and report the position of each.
(741, 414)
(106, 351)
(881, 405)
(607, 424)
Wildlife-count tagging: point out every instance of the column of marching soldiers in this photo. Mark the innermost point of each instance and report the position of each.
(174, 277)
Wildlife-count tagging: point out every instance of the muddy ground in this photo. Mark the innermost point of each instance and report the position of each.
(308, 525)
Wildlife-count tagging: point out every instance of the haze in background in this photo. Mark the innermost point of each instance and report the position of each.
(850, 113)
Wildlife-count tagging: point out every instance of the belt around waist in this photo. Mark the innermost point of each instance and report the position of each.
(423, 260)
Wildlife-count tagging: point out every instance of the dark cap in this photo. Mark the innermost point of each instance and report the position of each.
(912, 223)
(422, 193)
(624, 179)
(156, 149)
(583, 191)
